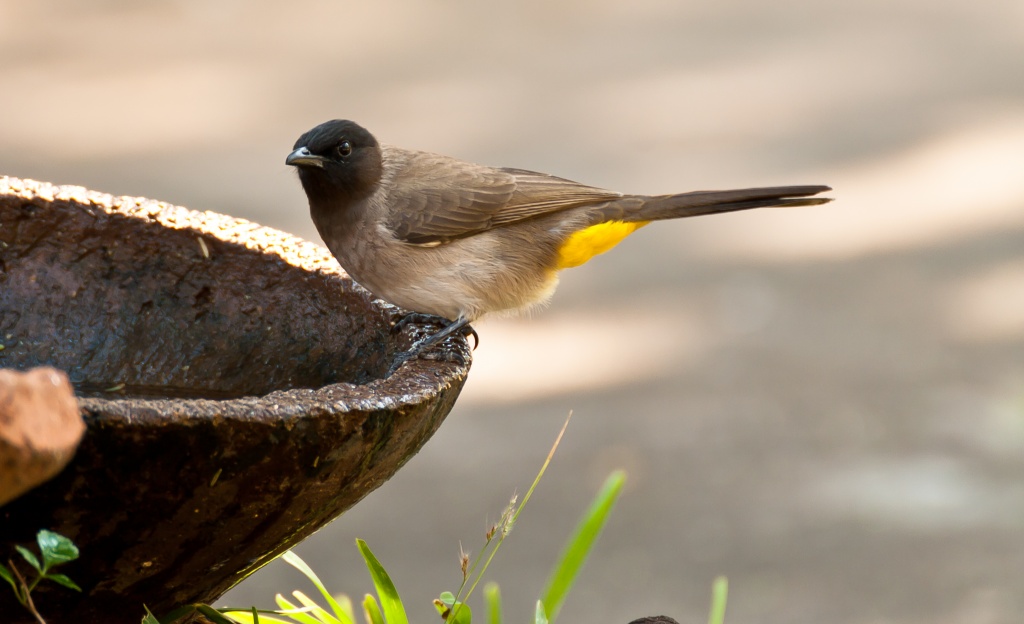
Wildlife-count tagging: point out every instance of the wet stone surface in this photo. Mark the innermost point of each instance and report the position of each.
(232, 382)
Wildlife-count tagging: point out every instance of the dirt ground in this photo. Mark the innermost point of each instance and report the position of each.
(826, 404)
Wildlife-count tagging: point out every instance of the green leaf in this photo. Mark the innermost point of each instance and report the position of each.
(390, 602)
(19, 592)
(719, 596)
(460, 614)
(8, 576)
(56, 548)
(372, 611)
(492, 596)
(451, 611)
(539, 616)
(212, 614)
(62, 579)
(345, 615)
(576, 551)
(27, 555)
(149, 618)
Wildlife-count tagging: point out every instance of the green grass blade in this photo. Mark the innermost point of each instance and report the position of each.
(372, 610)
(719, 596)
(579, 545)
(390, 602)
(518, 510)
(294, 611)
(339, 611)
(212, 614)
(247, 617)
(492, 596)
(314, 609)
(345, 606)
(543, 468)
(539, 616)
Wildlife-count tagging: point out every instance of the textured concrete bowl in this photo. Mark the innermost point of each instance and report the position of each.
(233, 384)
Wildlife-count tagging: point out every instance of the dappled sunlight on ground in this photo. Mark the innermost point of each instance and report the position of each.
(559, 354)
(989, 305)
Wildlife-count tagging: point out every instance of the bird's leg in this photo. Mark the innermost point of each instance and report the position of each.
(451, 327)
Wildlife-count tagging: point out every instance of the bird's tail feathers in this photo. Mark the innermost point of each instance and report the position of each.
(710, 202)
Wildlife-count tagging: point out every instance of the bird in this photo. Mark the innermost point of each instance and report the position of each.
(442, 237)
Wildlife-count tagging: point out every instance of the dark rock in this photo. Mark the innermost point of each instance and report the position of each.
(233, 390)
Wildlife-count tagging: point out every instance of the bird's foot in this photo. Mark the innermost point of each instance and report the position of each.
(419, 318)
(421, 346)
(422, 318)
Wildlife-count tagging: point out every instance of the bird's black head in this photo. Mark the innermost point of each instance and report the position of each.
(338, 162)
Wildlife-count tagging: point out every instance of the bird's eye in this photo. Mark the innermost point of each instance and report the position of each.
(344, 149)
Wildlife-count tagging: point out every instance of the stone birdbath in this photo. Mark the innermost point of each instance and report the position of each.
(233, 384)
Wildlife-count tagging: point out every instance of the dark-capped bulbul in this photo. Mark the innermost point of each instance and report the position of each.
(444, 237)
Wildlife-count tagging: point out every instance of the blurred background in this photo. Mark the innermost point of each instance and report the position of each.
(824, 404)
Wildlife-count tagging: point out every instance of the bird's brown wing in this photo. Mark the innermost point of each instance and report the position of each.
(435, 199)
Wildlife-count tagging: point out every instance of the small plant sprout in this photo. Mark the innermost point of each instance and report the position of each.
(55, 550)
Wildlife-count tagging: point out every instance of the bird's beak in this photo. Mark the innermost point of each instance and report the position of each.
(302, 157)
